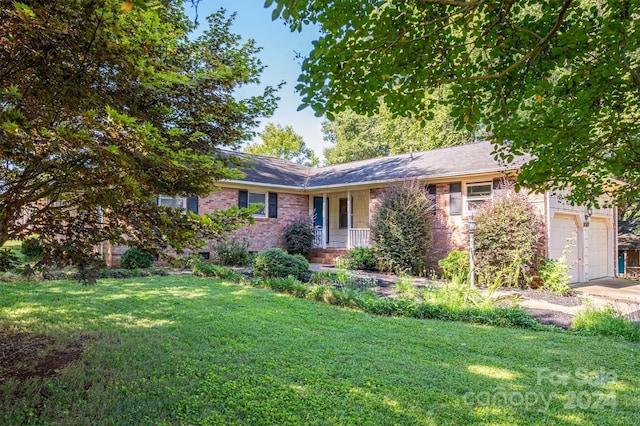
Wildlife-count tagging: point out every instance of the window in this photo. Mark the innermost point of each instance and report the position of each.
(173, 202)
(268, 201)
(344, 214)
(190, 203)
(477, 195)
(455, 198)
(258, 198)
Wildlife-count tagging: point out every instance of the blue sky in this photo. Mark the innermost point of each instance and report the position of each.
(279, 47)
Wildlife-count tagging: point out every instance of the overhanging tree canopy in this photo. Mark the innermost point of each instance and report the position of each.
(359, 137)
(102, 110)
(559, 80)
(283, 142)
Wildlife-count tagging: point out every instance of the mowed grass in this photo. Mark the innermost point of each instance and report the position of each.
(185, 350)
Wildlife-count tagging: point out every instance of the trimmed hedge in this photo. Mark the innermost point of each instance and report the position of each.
(135, 258)
(277, 263)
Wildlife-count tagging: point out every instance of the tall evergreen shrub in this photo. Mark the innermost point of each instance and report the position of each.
(402, 229)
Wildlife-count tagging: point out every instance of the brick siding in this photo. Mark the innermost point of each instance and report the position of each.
(265, 233)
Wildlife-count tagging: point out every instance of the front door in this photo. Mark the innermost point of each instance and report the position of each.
(319, 214)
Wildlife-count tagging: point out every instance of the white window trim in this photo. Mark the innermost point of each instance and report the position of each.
(169, 197)
(468, 198)
(265, 203)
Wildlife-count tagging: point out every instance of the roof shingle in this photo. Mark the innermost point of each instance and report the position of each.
(442, 162)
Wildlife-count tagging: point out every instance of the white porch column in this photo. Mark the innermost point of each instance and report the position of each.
(325, 213)
(349, 224)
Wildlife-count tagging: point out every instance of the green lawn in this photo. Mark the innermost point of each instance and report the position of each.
(185, 350)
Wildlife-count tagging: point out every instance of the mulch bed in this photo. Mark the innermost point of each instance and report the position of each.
(550, 317)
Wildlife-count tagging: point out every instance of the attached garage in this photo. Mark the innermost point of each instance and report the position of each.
(564, 239)
(598, 249)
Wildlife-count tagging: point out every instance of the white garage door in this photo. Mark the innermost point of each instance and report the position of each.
(564, 236)
(598, 250)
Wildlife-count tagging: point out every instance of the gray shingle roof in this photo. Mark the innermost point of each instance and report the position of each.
(449, 161)
(442, 162)
(273, 171)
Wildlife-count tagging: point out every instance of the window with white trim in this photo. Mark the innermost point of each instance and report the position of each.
(173, 202)
(477, 195)
(255, 198)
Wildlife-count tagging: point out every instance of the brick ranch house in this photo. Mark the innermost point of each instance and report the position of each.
(344, 197)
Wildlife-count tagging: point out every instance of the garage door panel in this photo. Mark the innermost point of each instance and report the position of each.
(598, 249)
(564, 240)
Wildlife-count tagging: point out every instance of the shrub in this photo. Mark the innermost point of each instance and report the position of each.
(322, 278)
(131, 273)
(233, 252)
(8, 260)
(405, 285)
(458, 294)
(320, 293)
(362, 258)
(277, 263)
(455, 264)
(299, 236)
(509, 238)
(202, 269)
(184, 262)
(32, 248)
(402, 229)
(135, 258)
(605, 322)
(554, 276)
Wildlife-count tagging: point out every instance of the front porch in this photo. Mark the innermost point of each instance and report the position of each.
(341, 219)
(357, 237)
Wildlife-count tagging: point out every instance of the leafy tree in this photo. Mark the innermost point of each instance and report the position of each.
(558, 80)
(283, 142)
(102, 110)
(359, 137)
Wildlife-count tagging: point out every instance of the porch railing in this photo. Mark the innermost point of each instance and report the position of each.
(360, 237)
(317, 236)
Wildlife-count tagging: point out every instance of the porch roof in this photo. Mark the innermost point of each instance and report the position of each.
(451, 161)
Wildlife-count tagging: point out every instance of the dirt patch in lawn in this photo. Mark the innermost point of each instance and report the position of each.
(551, 317)
(24, 355)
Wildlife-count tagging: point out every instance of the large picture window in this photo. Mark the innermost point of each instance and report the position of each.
(477, 195)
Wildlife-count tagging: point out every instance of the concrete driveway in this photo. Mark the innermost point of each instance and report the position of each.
(623, 295)
(617, 289)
